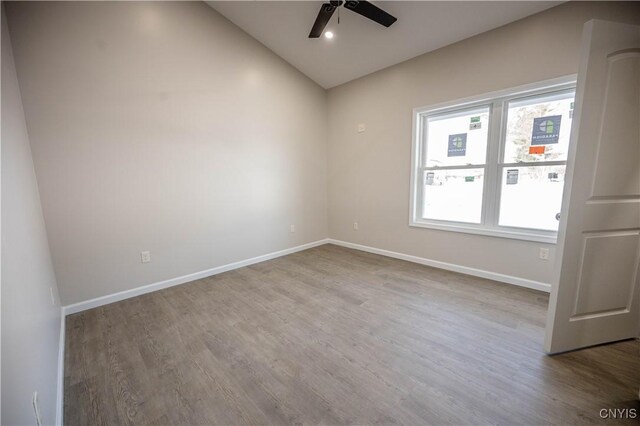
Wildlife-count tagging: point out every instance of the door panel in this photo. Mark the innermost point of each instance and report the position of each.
(595, 294)
(618, 142)
(606, 257)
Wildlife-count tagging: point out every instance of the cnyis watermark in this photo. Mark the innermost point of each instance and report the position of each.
(619, 413)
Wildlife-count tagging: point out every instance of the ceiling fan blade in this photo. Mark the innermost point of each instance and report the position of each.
(371, 11)
(326, 10)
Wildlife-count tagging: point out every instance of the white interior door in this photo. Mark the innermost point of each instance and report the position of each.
(595, 297)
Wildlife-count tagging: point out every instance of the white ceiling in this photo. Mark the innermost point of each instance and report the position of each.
(361, 46)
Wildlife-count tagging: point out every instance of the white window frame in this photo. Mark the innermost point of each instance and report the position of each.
(498, 103)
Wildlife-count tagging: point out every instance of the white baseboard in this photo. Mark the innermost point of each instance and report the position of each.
(509, 279)
(60, 390)
(126, 294)
(115, 297)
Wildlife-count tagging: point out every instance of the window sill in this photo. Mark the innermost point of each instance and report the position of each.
(548, 237)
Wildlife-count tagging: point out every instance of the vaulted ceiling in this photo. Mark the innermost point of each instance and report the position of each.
(361, 46)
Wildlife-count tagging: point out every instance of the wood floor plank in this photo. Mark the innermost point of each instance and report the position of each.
(334, 336)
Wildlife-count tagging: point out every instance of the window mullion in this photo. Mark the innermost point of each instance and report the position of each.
(489, 205)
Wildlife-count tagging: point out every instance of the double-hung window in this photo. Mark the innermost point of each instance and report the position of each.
(495, 164)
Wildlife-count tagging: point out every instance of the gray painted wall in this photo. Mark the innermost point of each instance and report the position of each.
(369, 173)
(161, 126)
(30, 322)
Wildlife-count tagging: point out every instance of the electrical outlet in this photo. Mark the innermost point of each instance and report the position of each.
(53, 297)
(355, 226)
(544, 254)
(36, 408)
(293, 228)
(145, 256)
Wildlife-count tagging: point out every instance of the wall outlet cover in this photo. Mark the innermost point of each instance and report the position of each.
(544, 254)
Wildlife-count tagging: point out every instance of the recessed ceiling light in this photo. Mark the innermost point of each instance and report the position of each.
(328, 34)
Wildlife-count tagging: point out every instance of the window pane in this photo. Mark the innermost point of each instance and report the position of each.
(458, 138)
(454, 195)
(538, 128)
(531, 196)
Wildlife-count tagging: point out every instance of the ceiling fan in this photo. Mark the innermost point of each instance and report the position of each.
(364, 8)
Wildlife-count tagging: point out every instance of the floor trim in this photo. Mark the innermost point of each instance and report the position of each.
(126, 294)
(115, 297)
(509, 279)
(60, 390)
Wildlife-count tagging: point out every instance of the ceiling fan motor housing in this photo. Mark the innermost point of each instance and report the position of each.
(364, 8)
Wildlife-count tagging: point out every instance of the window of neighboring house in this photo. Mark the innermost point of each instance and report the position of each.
(494, 165)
